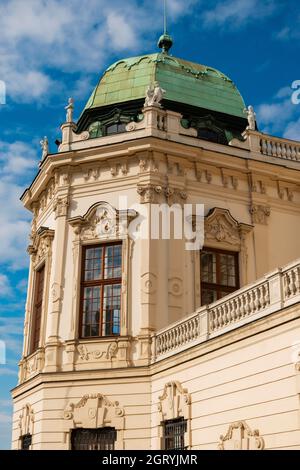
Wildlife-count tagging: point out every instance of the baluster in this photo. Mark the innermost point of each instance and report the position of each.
(269, 148)
(214, 321)
(256, 300)
(237, 310)
(291, 283)
(294, 153)
(262, 296)
(252, 300)
(264, 147)
(220, 319)
(286, 284)
(232, 310)
(283, 151)
(278, 149)
(288, 152)
(266, 295)
(298, 280)
(242, 307)
(274, 149)
(247, 304)
(228, 313)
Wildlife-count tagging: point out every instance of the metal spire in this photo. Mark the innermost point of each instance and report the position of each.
(165, 42)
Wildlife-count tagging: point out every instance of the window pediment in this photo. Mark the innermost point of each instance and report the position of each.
(174, 402)
(221, 228)
(95, 411)
(103, 222)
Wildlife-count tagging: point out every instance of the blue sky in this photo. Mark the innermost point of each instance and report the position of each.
(50, 50)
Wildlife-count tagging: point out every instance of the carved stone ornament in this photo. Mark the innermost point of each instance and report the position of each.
(240, 437)
(26, 420)
(94, 411)
(149, 193)
(221, 227)
(61, 207)
(41, 245)
(102, 221)
(260, 214)
(86, 355)
(174, 402)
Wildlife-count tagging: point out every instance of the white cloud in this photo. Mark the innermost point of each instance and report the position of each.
(280, 116)
(4, 371)
(290, 32)
(292, 130)
(5, 287)
(17, 160)
(39, 37)
(11, 331)
(234, 13)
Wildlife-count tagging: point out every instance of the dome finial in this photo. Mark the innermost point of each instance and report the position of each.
(165, 41)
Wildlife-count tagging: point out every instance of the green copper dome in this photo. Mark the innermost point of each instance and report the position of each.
(185, 82)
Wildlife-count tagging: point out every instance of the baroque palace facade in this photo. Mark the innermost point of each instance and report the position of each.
(140, 343)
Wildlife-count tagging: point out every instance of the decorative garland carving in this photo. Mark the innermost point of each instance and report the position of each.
(86, 355)
(95, 411)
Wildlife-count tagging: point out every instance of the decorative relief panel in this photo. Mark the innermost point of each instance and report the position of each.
(221, 227)
(102, 222)
(108, 353)
(260, 213)
(175, 286)
(26, 421)
(95, 411)
(155, 194)
(240, 437)
(41, 245)
(61, 207)
(174, 402)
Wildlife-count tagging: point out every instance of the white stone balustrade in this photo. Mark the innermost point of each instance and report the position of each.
(277, 290)
(281, 148)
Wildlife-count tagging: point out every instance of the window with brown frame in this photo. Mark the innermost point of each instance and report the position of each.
(37, 309)
(101, 290)
(219, 274)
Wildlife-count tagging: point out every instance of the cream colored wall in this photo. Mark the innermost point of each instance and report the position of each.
(248, 374)
(253, 381)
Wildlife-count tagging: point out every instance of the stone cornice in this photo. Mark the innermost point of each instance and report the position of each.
(187, 148)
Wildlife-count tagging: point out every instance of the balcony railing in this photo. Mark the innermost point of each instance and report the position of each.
(278, 289)
(281, 148)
